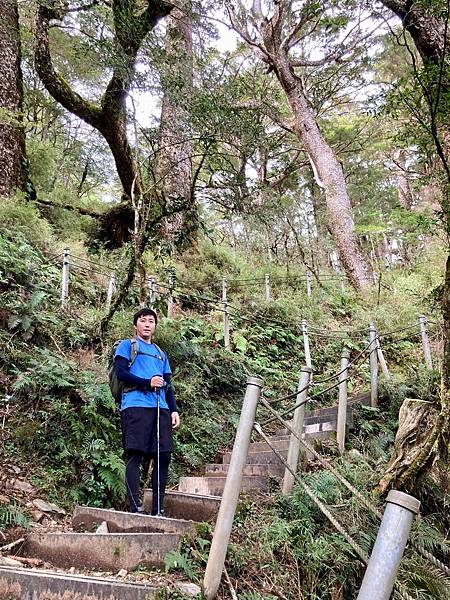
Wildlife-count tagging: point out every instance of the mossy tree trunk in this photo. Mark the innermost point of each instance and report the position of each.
(109, 116)
(13, 172)
(132, 22)
(174, 160)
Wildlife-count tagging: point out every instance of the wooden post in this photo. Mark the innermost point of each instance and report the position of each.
(65, 278)
(267, 288)
(387, 552)
(111, 289)
(309, 283)
(342, 408)
(294, 442)
(373, 366)
(341, 281)
(306, 344)
(425, 341)
(170, 303)
(230, 495)
(226, 315)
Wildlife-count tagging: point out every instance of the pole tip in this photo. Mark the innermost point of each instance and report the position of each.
(404, 500)
(252, 380)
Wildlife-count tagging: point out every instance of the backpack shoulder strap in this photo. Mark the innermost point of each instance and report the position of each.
(134, 350)
(163, 356)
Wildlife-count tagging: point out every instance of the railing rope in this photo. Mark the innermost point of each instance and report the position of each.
(224, 523)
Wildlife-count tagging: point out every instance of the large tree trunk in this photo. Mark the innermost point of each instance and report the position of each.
(279, 33)
(426, 28)
(131, 25)
(330, 173)
(13, 173)
(174, 163)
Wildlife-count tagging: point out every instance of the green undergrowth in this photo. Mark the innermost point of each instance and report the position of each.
(286, 547)
(60, 424)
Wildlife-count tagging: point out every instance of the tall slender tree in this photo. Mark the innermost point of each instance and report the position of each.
(279, 39)
(13, 172)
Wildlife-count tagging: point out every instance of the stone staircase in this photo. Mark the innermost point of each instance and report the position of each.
(116, 543)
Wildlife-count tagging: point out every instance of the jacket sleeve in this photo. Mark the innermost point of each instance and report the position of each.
(170, 394)
(123, 374)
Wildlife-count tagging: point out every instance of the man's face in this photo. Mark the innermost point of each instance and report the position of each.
(145, 327)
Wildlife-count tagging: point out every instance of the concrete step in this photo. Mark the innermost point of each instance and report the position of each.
(282, 444)
(258, 458)
(214, 485)
(318, 431)
(101, 551)
(322, 415)
(262, 470)
(34, 584)
(194, 507)
(87, 519)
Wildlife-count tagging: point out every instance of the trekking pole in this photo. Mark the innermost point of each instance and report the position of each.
(158, 485)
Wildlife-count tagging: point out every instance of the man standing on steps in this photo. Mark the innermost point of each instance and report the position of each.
(145, 372)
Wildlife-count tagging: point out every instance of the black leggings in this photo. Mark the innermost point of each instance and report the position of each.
(135, 459)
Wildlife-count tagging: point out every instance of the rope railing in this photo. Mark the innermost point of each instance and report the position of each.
(359, 551)
(322, 392)
(327, 465)
(356, 547)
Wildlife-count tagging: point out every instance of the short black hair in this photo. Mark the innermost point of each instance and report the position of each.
(144, 312)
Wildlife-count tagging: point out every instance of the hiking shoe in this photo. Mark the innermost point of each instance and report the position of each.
(155, 513)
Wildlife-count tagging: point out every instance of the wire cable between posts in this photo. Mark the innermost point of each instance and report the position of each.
(295, 394)
(371, 507)
(356, 547)
(360, 552)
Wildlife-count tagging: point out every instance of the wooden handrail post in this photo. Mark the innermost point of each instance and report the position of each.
(65, 278)
(379, 579)
(342, 408)
(230, 496)
(373, 366)
(309, 283)
(425, 341)
(111, 289)
(170, 303)
(294, 442)
(267, 287)
(306, 346)
(226, 315)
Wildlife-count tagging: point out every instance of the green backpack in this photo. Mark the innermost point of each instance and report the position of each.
(117, 387)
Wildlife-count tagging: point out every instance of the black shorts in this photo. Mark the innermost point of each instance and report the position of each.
(139, 429)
